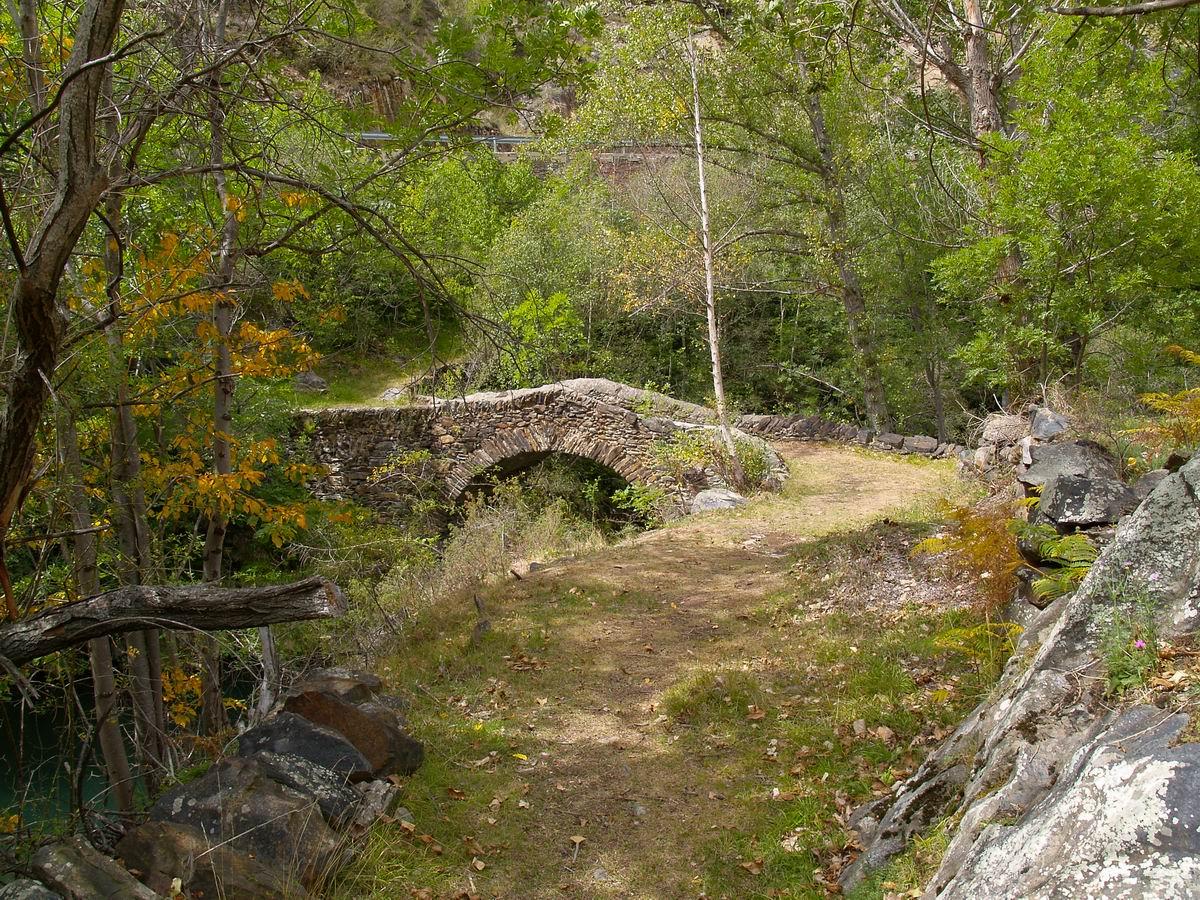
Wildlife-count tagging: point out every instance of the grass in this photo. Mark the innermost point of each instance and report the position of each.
(357, 380)
(746, 722)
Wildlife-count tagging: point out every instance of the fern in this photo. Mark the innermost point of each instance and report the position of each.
(1068, 558)
(981, 544)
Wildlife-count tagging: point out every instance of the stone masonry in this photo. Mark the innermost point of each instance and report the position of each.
(500, 433)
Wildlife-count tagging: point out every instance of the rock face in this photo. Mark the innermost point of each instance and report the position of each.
(160, 852)
(1084, 793)
(1079, 458)
(1047, 424)
(27, 889)
(1080, 501)
(717, 498)
(1123, 820)
(311, 383)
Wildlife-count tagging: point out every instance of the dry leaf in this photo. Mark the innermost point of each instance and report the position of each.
(753, 866)
(755, 713)
(422, 894)
(456, 793)
(478, 864)
(522, 804)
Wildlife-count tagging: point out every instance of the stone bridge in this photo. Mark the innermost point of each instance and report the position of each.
(470, 439)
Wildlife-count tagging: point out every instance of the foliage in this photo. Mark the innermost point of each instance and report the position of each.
(547, 337)
(981, 546)
(1070, 558)
(1128, 636)
(1178, 424)
(988, 645)
(701, 448)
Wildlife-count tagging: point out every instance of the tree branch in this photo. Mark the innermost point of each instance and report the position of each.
(1133, 9)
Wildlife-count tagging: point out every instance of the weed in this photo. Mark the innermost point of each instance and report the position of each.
(1128, 637)
(981, 544)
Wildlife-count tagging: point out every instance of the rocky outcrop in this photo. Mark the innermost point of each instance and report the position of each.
(717, 498)
(1055, 794)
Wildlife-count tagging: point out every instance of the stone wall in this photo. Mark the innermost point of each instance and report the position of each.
(498, 432)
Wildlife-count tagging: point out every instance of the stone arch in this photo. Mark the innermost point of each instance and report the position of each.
(515, 449)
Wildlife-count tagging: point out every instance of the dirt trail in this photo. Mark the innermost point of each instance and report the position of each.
(621, 627)
(640, 800)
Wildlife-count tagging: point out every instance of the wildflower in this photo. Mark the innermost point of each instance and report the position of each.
(1139, 644)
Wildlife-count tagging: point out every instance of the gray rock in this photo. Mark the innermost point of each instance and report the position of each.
(1003, 429)
(890, 440)
(294, 735)
(1043, 754)
(77, 871)
(717, 498)
(337, 801)
(310, 382)
(921, 443)
(376, 800)
(1047, 424)
(984, 457)
(1143, 487)
(1085, 458)
(160, 852)
(238, 804)
(27, 889)
(393, 394)
(1122, 821)
(1079, 501)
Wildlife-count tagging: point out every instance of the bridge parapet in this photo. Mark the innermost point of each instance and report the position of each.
(503, 433)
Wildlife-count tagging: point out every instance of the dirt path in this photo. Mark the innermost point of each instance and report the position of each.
(630, 696)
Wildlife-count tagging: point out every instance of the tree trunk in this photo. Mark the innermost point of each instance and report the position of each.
(38, 323)
(197, 607)
(710, 300)
(985, 106)
(87, 582)
(858, 322)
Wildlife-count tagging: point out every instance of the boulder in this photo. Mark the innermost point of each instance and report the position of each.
(1074, 784)
(984, 457)
(376, 800)
(890, 440)
(349, 684)
(238, 804)
(921, 443)
(1077, 501)
(1085, 458)
(337, 801)
(310, 382)
(1047, 424)
(160, 852)
(1123, 820)
(1003, 429)
(77, 871)
(375, 730)
(717, 498)
(294, 735)
(27, 889)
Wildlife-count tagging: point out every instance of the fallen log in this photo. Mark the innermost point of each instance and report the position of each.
(191, 607)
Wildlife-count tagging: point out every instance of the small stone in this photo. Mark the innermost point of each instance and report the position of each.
(1047, 424)
(310, 382)
(716, 498)
(77, 871)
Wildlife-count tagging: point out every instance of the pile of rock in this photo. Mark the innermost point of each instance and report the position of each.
(274, 820)
(1055, 790)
